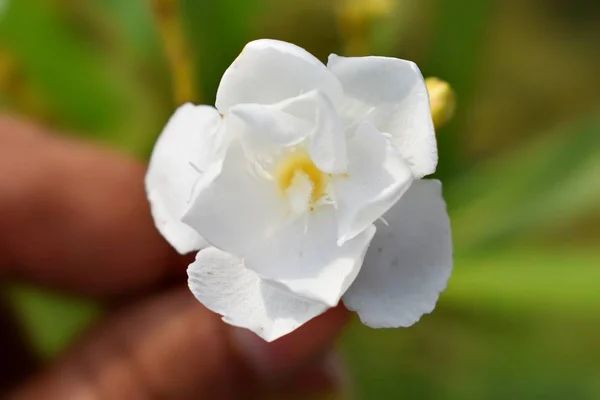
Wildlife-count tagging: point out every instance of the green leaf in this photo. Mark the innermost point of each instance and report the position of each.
(51, 320)
(542, 184)
(67, 50)
(66, 69)
(527, 282)
(217, 32)
(455, 56)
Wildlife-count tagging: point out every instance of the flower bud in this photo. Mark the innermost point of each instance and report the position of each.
(441, 100)
(358, 12)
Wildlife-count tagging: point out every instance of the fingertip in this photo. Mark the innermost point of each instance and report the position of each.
(74, 216)
(325, 379)
(278, 360)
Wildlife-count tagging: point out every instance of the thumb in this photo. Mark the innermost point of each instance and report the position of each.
(172, 347)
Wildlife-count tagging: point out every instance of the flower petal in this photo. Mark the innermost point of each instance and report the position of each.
(327, 147)
(188, 142)
(269, 123)
(377, 177)
(266, 128)
(234, 205)
(222, 284)
(304, 258)
(269, 71)
(409, 261)
(392, 94)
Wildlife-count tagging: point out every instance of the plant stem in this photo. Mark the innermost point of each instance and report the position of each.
(167, 14)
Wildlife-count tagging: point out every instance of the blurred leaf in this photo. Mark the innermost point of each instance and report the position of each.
(469, 354)
(310, 24)
(52, 320)
(528, 282)
(218, 31)
(85, 66)
(135, 22)
(511, 325)
(456, 52)
(63, 66)
(543, 183)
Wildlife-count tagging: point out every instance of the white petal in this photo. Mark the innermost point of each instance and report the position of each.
(327, 143)
(270, 124)
(234, 205)
(377, 177)
(303, 257)
(408, 263)
(392, 94)
(266, 128)
(327, 147)
(187, 144)
(269, 71)
(222, 284)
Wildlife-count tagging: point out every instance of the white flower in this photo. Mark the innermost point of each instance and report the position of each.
(282, 186)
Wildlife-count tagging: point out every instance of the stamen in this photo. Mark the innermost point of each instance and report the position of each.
(299, 162)
(383, 220)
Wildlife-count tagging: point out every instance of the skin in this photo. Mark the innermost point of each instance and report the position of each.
(74, 218)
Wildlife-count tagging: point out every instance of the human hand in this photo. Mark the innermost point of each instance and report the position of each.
(74, 217)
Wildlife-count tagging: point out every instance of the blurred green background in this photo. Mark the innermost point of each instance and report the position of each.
(520, 161)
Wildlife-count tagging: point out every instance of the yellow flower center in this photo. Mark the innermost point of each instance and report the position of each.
(299, 162)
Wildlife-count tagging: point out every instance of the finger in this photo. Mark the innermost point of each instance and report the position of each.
(75, 216)
(18, 359)
(321, 380)
(173, 348)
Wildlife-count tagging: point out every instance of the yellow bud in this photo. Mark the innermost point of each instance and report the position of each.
(378, 8)
(360, 11)
(441, 100)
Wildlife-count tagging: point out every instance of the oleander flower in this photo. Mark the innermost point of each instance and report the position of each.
(303, 187)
